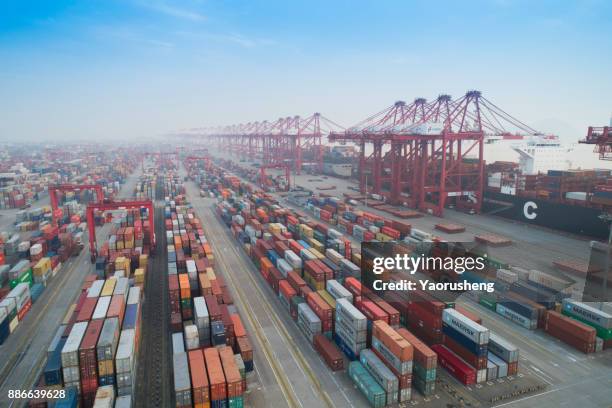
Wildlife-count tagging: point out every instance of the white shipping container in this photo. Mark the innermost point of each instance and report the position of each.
(472, 330)
(101, 308)
(178, 345)
(182, 383)
(124, 360)
(124, 401)
(337, 291)
(293, 259)
(192, 337)
(95, 289)
(70, 351)
(105, 397)
(122, 287)
(134, 295)
(201, 315)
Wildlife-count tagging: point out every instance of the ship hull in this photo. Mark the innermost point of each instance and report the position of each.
(569, 218)
(338, 170)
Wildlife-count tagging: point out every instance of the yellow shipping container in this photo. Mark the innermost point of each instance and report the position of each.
(314, 285)
(123, 263)
(119, 245)
(306, 231)
(109, 287)
(105, 367)
(327, 298)
(316, 244)
(383, 237)
(316, 253)
(143, 260)
(210, 274)
(211, 259)
(139, 275)
(356, 258)
(274, 228)
(42, 266)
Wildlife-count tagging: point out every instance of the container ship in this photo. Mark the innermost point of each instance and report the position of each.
(539, 188)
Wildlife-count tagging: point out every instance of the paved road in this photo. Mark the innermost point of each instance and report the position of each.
(282, 354)
(22, 356)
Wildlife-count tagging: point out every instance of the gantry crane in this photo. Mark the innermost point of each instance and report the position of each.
(601, 137)
(53, 189)
(117, 205)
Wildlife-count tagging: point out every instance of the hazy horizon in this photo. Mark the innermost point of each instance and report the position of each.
(111, 70)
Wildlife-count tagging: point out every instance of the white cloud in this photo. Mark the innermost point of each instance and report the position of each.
(173, 11)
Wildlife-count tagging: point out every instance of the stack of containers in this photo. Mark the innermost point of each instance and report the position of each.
(323, 311)
(383, 375)
(235, 390)
(199, 379)
(182, 382)
(504, 355)
(397, 353)
(424, 364)
(202, 320)
(570, 331)
(106, 349)
(88, 363)
(125, 362)
(598, 319)
(308, 322)
(216, 377)
(70, 356)
(467, 339)
(350, 328)
(373, 392)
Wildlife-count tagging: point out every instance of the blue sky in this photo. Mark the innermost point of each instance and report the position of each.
(135, 68)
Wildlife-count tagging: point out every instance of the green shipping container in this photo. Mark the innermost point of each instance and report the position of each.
(367, 384)
(427, 375)
(25, 277)
(605, 334)
(488, 302)
(235, 402)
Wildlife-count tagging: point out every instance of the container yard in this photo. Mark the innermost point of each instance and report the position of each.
(265, 205)
(236, 296)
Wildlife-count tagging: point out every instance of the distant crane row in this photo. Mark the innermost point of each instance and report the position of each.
(426, 155)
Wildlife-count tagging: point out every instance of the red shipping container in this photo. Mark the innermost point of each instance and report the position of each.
(479, 363)
(295, 281)
(286, 290)
(117, 308)
(232, 375)
(87, 310)
(214, 311)
(455, 365)
(216, 378)
(199, 377)
(371, 311)
(274, 279)
(329, 351)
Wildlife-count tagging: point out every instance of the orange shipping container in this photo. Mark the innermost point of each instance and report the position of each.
(232, 375)
(266, 264)
(398, 345)
(199, 378)
(216, 378)
(239, 330)
(205, 287)
(184, 285)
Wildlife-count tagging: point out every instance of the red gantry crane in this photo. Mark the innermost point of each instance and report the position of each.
(429, 155)
(53, 189)
(601, 137)
(117, 205)
(280, 142)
